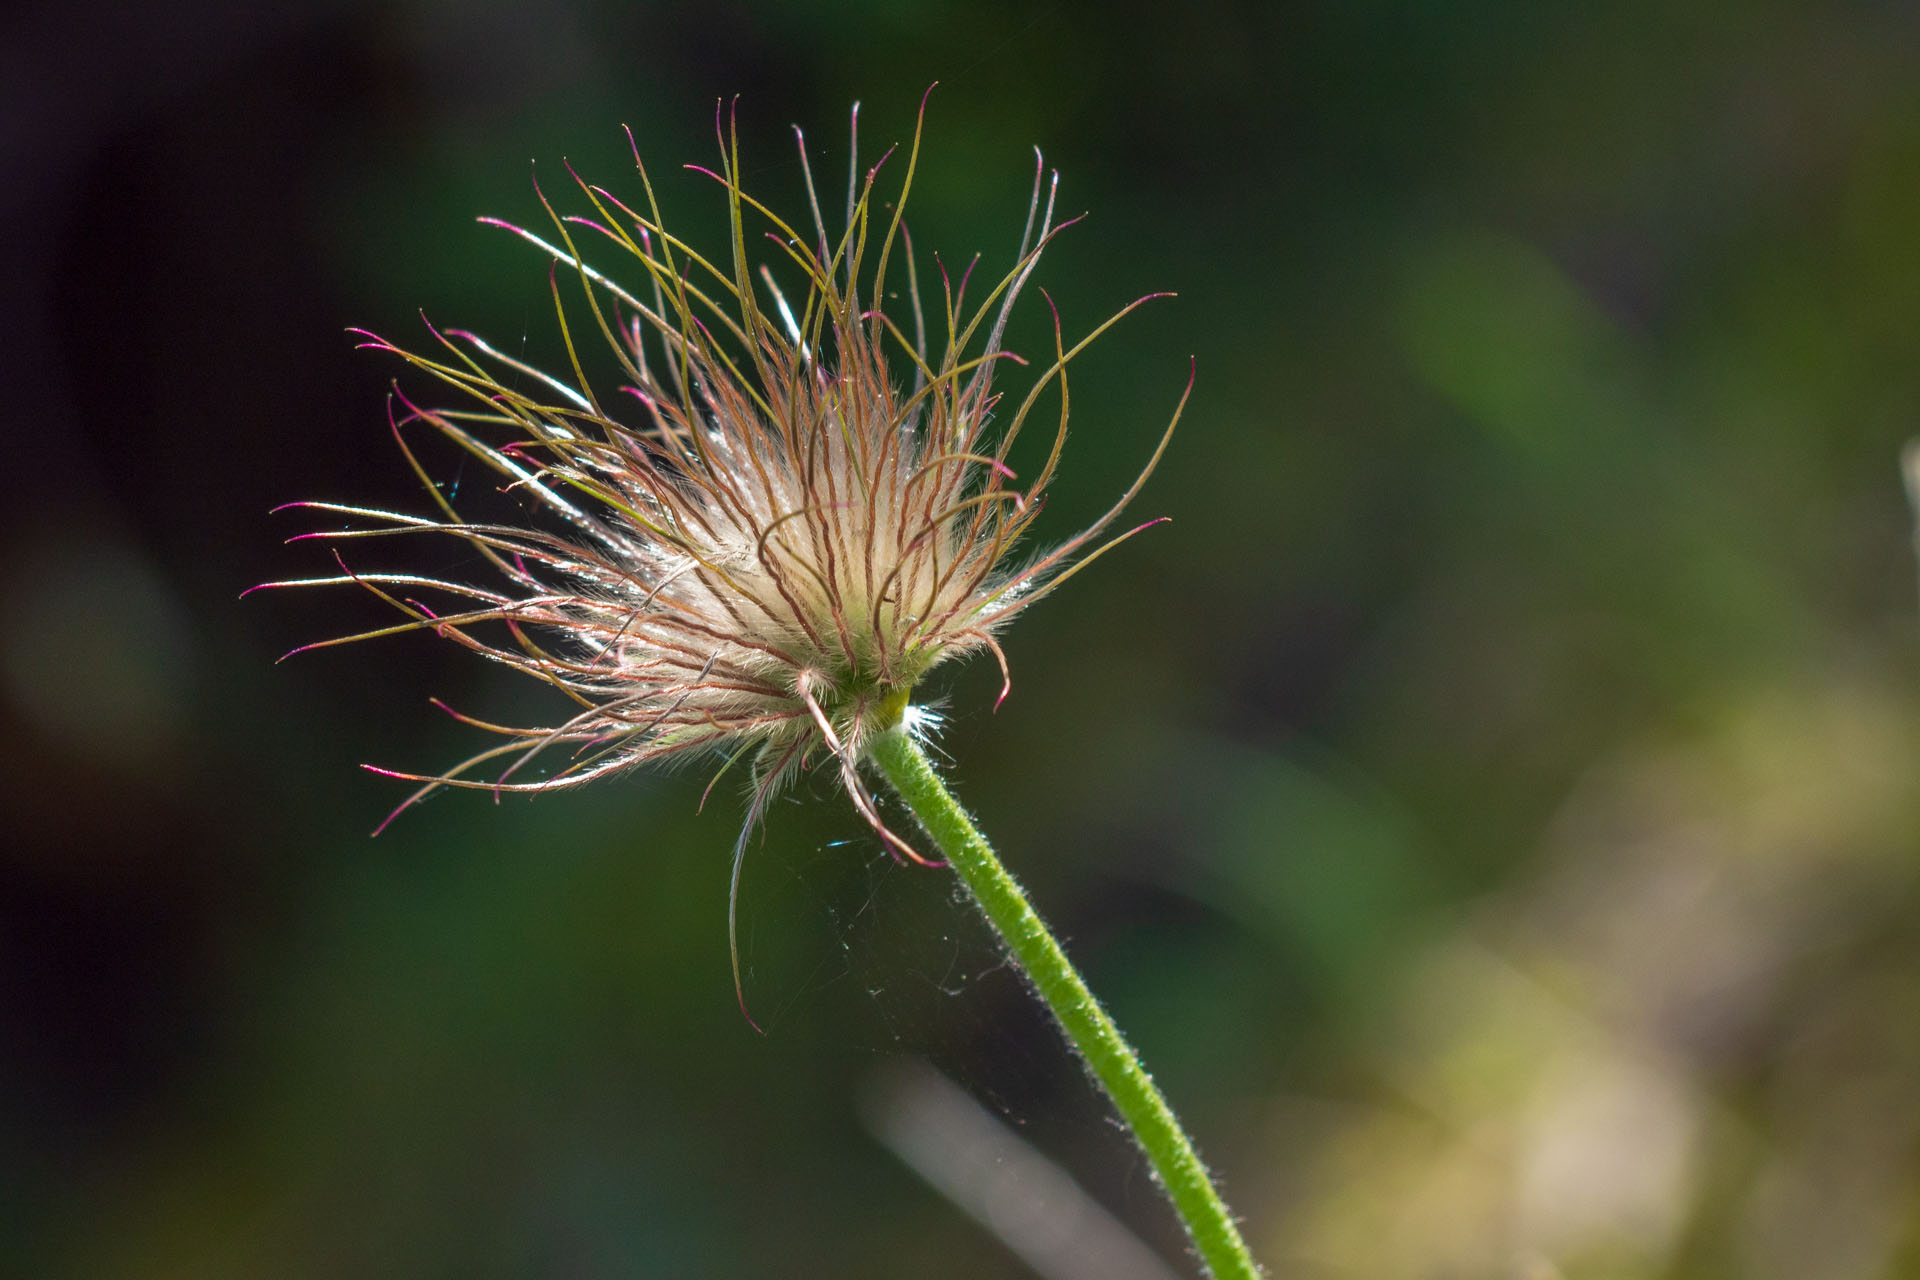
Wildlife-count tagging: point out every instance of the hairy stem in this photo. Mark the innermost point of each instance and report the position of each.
(1215, 1235)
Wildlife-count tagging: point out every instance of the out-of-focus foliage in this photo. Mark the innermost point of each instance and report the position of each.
(1489, 804)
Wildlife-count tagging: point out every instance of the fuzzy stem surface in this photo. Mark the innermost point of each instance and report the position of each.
(1215, 1235)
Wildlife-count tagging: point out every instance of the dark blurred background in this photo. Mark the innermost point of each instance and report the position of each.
(1489, 805)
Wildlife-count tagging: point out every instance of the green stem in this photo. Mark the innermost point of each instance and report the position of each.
(1211, 1227)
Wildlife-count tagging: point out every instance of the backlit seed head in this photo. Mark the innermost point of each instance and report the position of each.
(773, 519)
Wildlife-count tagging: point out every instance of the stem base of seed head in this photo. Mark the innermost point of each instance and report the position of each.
(1209, 1224)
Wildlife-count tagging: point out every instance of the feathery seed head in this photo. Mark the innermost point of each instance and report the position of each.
(777, 518)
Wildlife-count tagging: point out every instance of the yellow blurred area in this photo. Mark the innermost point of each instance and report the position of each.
(1668, 1047)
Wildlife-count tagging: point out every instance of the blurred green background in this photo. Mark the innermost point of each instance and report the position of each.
(1489, 804)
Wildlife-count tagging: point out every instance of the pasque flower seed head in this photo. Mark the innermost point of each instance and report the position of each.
(760, 531)
(770, 523)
